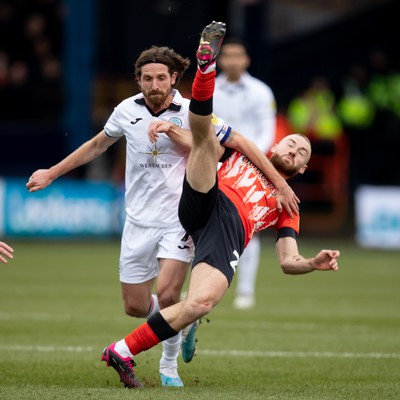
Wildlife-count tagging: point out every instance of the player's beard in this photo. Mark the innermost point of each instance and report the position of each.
(279, 163)
(156, 98)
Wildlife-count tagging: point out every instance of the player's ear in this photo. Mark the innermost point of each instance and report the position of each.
(173, 78)
(303, 169)
(274, 147)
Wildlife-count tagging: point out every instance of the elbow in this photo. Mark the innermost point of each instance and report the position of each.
(286, 268)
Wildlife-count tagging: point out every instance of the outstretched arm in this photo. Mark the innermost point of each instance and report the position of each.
(286, 197)
(294, 264)
(5, 252)
(91, 149)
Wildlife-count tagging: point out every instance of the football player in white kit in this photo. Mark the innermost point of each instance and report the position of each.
(154, 244)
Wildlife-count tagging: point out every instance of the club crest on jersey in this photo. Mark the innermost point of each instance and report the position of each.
(177, 121)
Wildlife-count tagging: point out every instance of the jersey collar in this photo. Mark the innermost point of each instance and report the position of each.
(175, 105)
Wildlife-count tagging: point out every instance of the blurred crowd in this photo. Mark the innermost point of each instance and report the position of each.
(364, 106)
(30, 60)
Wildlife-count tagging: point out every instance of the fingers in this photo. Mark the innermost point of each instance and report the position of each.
(328, 260)
(29, 185)
(32, 185)
(32, 180)
(6, 246)
(279, 205)
(334, 254)
(290, 201)
(152, 134)
(295, 207)
(33, 188)
(288, 208)
(157, 127)
(333, 262)
(5, 252)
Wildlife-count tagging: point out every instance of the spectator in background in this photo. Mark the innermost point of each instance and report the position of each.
(4, 80)
(30, 66)
(249, 106)
(48, 92)
(19, 100)
(313, 112)
(5, 253)
(384, 92)
(357, 114)
(7, 26)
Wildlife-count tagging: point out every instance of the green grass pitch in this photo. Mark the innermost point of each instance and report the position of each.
(322, 336)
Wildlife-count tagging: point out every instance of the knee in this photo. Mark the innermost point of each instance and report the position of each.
(198, 307)
(135, 309)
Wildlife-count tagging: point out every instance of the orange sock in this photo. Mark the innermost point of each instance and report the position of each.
(203, 85)
(141, 339)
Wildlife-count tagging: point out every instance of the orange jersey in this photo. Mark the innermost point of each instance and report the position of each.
(253, 195)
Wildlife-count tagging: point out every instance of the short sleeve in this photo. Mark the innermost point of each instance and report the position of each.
(113, 127)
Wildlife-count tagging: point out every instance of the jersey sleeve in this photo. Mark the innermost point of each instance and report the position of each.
(113, 127)
(284, 221)
(222, 130)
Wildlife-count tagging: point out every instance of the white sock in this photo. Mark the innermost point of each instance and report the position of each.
(170, 352)
(122, 349)
(154, 307)
(170, 346)
(248, 267)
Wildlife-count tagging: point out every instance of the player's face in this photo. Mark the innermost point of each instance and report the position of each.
(233, 60)
(156, 83)
(291, 155)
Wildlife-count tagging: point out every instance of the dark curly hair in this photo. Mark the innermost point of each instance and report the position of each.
(162, 55)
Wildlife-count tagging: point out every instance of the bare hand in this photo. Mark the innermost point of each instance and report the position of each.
(287, 198)
(5, 253)
(156, 127)
(39, 180)
(327, 260)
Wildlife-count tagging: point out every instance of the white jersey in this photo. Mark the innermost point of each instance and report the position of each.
(154, 171)
(249, 107)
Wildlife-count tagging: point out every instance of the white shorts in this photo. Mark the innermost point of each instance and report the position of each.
(141, 247)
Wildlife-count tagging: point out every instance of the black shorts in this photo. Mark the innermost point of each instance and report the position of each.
(215, 226)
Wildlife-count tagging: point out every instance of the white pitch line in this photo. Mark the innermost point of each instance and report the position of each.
(48, 349)
(219, 353)
(296, 354)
